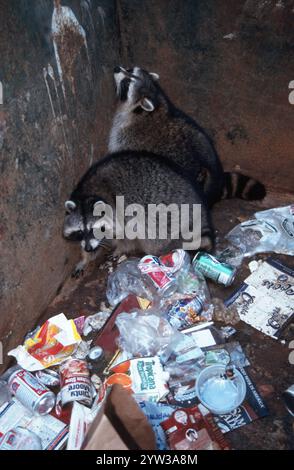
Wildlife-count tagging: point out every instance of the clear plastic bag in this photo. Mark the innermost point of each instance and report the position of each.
(183, 361)
(125, 280)
(271, 231)
(143, 333)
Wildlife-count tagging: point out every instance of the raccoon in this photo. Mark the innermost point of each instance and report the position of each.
(146, 119)
(142, 178)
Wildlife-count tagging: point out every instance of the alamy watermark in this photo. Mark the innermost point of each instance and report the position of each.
(291, 94)
(152, 222)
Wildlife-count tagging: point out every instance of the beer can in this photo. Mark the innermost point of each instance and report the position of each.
(48, 377)
(30, 392)
(212, 268)
(75, 382)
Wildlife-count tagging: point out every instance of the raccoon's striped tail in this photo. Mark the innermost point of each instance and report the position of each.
(242, 187)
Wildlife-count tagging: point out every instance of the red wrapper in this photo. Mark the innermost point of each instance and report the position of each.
(188, 429)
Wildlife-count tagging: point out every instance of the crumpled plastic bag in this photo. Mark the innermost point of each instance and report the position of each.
(272, 230)
(125, 280)
(52, 343)
(96, 322)
(143, 333)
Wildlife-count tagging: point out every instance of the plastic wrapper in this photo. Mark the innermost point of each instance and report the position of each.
(188, 429)
(143, 333)
(226, 353)
(156, 413)
(271, 231)
(125, 280)
(183, 361)
(96, 322)
(51, 344)
(82, 350)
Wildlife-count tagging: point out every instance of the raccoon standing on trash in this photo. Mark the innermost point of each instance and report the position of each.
(147, 120)
(143, 179)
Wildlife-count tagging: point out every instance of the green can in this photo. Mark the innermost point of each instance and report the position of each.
(211, 267)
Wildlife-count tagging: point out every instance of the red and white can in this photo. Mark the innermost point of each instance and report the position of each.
(175, 261)
(30, 392)
(152, 267)
(75, 382)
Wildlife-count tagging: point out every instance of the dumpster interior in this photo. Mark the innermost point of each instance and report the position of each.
(226, 64)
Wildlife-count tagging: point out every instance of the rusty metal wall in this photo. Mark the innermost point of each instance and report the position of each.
(226, 63)
(56, 70)
(229, 64)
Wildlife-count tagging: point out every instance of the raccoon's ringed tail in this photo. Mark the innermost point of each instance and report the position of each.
(237, 185)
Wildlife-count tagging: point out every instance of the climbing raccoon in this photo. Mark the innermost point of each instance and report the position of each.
(147, 120)
(143, 179)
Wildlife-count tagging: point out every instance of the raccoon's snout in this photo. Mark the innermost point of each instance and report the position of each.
(90, 244)
(116, 69)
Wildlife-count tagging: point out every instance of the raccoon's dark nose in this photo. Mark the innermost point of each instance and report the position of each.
(116, 69)
(88, 248)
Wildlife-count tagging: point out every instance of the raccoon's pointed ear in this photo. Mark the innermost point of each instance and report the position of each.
(154, 75)
(70, 206)
(147, 105)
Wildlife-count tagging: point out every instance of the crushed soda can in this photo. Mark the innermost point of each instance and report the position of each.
(75, 383)
(212, 268)
(48, 377)
(175, 261)
(185, 312)
(30, 392)
(162, 280)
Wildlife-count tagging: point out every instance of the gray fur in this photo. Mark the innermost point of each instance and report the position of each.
(142, 178)
(165, 131)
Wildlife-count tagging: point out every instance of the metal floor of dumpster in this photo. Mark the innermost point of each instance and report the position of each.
(270, 368)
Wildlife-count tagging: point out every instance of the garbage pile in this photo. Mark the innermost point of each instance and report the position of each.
(159, 341)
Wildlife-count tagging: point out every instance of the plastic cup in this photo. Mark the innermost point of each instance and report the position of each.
(220, 395)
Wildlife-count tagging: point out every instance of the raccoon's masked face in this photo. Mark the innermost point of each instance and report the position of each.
(136, 88)
(78, 226)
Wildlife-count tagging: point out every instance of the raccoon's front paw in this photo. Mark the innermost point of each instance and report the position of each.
(78, 271)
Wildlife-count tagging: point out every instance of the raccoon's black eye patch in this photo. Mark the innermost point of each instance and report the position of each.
(124, 88)
(76, 236)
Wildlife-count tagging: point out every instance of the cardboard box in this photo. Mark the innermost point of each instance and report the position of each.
(120, 425)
